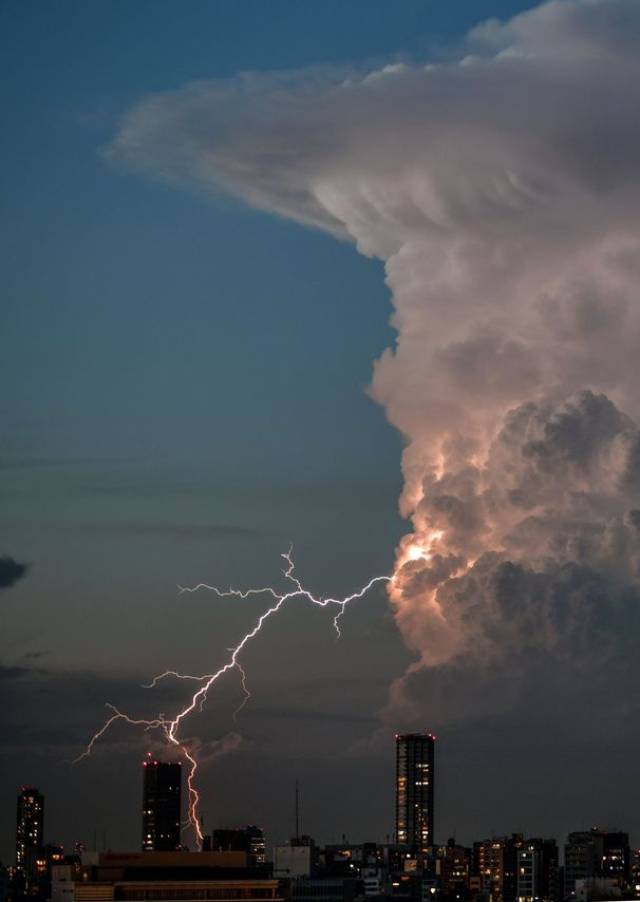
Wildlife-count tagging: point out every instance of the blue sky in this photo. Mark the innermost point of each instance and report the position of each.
(223, 321)
(184, 378)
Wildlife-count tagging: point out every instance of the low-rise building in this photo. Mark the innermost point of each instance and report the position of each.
(162, 877)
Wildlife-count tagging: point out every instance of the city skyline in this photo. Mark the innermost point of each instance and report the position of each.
(164, 817)
(512, 868)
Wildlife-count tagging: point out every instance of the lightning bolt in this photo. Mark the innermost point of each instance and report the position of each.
(171, 727)
(247, 694)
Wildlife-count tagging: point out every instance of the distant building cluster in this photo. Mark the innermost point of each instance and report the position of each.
(234, 866)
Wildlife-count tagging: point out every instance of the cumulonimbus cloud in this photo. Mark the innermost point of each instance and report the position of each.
(502, 191)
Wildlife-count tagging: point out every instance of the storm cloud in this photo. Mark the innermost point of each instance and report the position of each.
(501, 190)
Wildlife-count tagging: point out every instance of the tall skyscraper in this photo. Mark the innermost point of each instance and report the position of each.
(161, 807)
(29, 829)
(414, 791)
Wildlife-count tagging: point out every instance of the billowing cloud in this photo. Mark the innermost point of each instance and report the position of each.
(501, 189)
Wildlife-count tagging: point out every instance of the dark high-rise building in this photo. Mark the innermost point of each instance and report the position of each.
(161, 805)
(29, 828)
(414, 791)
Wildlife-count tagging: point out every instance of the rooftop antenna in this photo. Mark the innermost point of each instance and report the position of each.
(297, 810)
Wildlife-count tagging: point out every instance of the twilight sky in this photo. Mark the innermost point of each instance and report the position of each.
(186, 391)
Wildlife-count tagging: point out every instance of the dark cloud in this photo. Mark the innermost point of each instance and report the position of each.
(12, 673)
(577, 433)
(10, 571)
(54, 708)
(299, 714)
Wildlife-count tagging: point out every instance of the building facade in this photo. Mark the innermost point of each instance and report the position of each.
(257, 846)
(538, 871)
(161, 805)
(593, 856)
(495, 863)
(293, 861)
(415, 758)
(162, 877)
(453, 866)
(249, 839)
(579, 860)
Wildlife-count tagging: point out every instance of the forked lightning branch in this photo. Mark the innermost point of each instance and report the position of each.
(170, 727)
